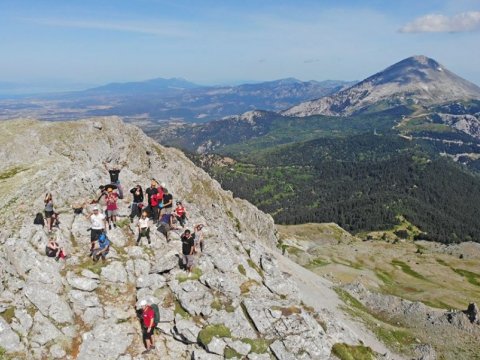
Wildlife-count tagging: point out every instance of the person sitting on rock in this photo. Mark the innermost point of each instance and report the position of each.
(98, 225)
(54, 250)
(148, 317)
(152, 190)
(188, 249)
(137, 203)
(114, 172)
(198, 237)
(112, 207)
(180, 213)
(49, 213)
(166, 224)
(143, 227)
(101, 248)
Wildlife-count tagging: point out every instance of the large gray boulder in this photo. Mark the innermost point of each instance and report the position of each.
(106, 340)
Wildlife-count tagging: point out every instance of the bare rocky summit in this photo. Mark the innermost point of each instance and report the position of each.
(243, 301)
(415, 80)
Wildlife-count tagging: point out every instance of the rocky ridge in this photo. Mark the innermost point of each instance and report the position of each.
(238, 304)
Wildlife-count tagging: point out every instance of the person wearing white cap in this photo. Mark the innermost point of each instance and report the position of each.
(148, 316)
(98, 225)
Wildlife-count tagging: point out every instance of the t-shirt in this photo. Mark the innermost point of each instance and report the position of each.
(114, 175)
(187, 244)
(143, 223)
(49, 206)
(168, 198)
(155, 200)
(104, 244)
(165, 218)
(180, 210)
(112, 201)
(137, 198)
(97, 221)
(148, 315)
(151, 191)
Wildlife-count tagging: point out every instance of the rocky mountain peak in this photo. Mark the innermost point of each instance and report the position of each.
(243, 299)
(414, 80)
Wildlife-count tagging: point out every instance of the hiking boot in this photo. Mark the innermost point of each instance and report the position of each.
(149, 242)
(146, 351)
(109, 227)
(115, 225)
(104, 260)
(56, 258)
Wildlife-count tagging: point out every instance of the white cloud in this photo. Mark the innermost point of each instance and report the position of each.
(467, 21)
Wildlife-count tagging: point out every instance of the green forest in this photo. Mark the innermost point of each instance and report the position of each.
(362, 182)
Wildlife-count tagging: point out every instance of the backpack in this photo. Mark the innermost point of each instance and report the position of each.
(156, 311)
(39, 220)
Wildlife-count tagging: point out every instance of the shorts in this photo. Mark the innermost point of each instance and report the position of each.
(112, 212)
(149, 334)
(51, 252)
(164, 228)
(48, 214)
(188, 260)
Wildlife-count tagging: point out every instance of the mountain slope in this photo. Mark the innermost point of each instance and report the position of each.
(237, 303)
(415, 80)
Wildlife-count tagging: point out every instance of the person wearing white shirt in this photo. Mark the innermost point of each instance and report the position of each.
(143, 227)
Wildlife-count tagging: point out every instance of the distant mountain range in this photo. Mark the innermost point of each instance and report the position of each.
(415, 80)
(175, 99)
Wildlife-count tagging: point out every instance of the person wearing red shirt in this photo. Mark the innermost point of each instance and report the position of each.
(155, 199)
(181, 213)
(148, 317)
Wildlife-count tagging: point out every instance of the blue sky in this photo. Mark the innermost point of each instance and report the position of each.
(95, 42)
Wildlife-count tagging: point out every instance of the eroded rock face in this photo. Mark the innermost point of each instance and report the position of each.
(236, 296)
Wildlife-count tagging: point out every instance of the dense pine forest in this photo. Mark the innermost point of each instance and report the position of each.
(362, 182)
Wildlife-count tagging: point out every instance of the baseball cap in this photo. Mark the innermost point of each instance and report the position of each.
(95, 208)
(143, 303)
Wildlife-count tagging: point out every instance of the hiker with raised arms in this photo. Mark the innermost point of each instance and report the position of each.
(98, 226)
(49, 213)
(198, 231)
(143, 227)
(114, 172)
(137, 203)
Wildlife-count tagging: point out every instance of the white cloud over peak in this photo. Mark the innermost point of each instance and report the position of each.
(464, 22)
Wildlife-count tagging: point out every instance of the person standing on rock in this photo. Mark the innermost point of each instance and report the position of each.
(98, 223)
(198, 237)
(148, 317)
(49, 213)
(152, 190)
(143, 227)
(167, 202)
(188, 249)
(137, 203)
(114, 172)
(112, 208)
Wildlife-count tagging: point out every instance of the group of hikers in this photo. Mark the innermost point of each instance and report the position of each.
(158, 210)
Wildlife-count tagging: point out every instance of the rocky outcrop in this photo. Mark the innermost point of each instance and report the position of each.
(237, 303)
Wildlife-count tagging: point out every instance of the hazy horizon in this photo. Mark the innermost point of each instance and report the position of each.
(214, 42)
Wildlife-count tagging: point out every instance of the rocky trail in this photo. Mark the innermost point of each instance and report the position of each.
(241, 302)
